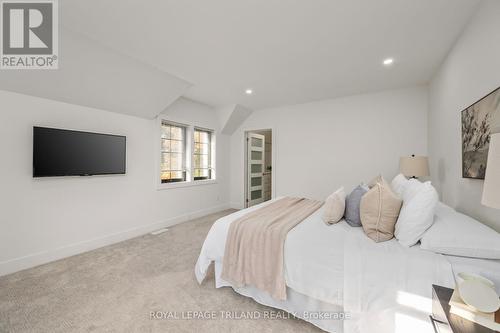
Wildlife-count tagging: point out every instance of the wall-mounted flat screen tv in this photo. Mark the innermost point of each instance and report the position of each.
(59, 152)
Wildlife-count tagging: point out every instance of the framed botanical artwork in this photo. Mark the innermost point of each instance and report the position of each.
(478, 122)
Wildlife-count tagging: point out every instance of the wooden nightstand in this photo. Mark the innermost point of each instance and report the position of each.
(446, 322)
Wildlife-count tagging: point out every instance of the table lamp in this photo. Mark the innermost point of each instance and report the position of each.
(414, 166)
(491, 188)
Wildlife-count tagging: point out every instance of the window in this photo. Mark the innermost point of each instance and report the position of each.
(173, 152)
(202, 155)
(187, 155)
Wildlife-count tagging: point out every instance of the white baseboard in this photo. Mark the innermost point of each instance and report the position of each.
(36, 259)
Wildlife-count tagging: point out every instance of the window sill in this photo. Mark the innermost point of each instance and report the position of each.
(168, 186)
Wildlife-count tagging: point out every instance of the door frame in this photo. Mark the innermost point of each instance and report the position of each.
(245, 162)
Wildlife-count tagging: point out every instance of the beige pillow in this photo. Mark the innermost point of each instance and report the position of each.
(379, 211)
(334, 207)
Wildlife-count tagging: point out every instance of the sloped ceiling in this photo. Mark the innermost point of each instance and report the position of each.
(91, 74)
(137, 57)
(288, 52)
(231, 117)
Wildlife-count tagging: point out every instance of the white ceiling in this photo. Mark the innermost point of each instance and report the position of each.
(93, 75)
(288, 52)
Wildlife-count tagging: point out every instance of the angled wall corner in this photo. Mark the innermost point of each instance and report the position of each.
(231, 117)
(93, 75)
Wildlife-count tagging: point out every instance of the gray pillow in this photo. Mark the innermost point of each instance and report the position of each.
(352, 204)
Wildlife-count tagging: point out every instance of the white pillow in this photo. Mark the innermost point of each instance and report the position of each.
(460, 235)
(398, 184)
(334, 208)
(417, 213)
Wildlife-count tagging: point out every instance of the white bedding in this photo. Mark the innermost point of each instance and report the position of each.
(314, 254)
(387, 286)
(383, 283)
(298, 304)
(488, 268)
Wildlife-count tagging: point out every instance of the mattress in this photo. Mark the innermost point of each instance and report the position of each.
(319, 313)
(313, 254)
(314, 258)
(335, 268)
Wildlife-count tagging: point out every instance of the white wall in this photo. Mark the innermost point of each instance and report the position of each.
(322, 145)
(46, 219)
(471, 70)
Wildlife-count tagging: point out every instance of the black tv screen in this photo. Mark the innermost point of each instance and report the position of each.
(58, 152)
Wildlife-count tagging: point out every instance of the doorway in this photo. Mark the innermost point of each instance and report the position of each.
(258, 166)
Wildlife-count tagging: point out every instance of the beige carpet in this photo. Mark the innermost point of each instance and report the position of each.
(115, 288)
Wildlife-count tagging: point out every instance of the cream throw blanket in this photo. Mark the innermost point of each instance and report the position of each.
(255, 245)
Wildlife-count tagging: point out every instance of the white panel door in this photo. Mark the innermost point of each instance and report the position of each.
(255, 169)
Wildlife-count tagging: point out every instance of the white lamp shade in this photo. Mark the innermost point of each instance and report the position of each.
(491, 189)
(414, 166)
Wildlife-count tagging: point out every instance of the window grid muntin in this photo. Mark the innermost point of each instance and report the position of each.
(166, 140)
(202, 138)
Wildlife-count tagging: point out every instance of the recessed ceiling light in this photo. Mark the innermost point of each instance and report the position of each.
(249, 91)
(388, 61)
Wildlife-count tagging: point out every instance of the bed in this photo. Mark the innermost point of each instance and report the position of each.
(341, 281)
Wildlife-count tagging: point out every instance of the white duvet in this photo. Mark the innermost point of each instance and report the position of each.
(388, 287)
(384, 286)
